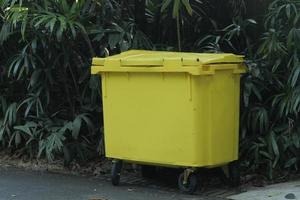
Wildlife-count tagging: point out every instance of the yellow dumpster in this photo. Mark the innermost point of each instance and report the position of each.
(171, 109)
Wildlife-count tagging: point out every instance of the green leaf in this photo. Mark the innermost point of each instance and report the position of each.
(290, 162)
(51, 24)
(165, 4)
(176, 8)
(74, 7)
(288, 11)
(2, 129)
(88, 122)
(18, 139)
(252, 21)
(266, 154)
(274, 148)
(25, 129)
(114, 39)
(35, 77)
(295, 76)
(80, 26)
(65, 6)
(76, 127)
(296, 140)
(188, 7)
(73, 31)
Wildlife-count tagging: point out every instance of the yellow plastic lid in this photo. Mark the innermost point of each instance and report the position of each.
(163, 61)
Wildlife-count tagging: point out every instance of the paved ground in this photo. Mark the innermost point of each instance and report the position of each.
(282, 191)
(16, 184)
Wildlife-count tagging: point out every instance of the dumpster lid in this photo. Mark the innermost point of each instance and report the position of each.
(163, 61)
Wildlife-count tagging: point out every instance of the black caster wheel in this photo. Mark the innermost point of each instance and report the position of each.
(116, 172)
(190, 185)
(234, 174)
(148, 171)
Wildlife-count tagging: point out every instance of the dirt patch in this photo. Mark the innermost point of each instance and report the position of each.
(95, 167)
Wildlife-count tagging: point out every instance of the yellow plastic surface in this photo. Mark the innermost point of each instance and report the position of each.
(171, 109)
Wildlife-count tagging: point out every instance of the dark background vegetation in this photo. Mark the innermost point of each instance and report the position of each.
(50, 106)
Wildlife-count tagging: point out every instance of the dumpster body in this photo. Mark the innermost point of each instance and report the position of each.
(171, 109)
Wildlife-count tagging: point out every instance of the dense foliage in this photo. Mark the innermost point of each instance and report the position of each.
(270, 114)
(51, 106)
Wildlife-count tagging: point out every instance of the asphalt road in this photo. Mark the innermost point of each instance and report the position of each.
(16, 184)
